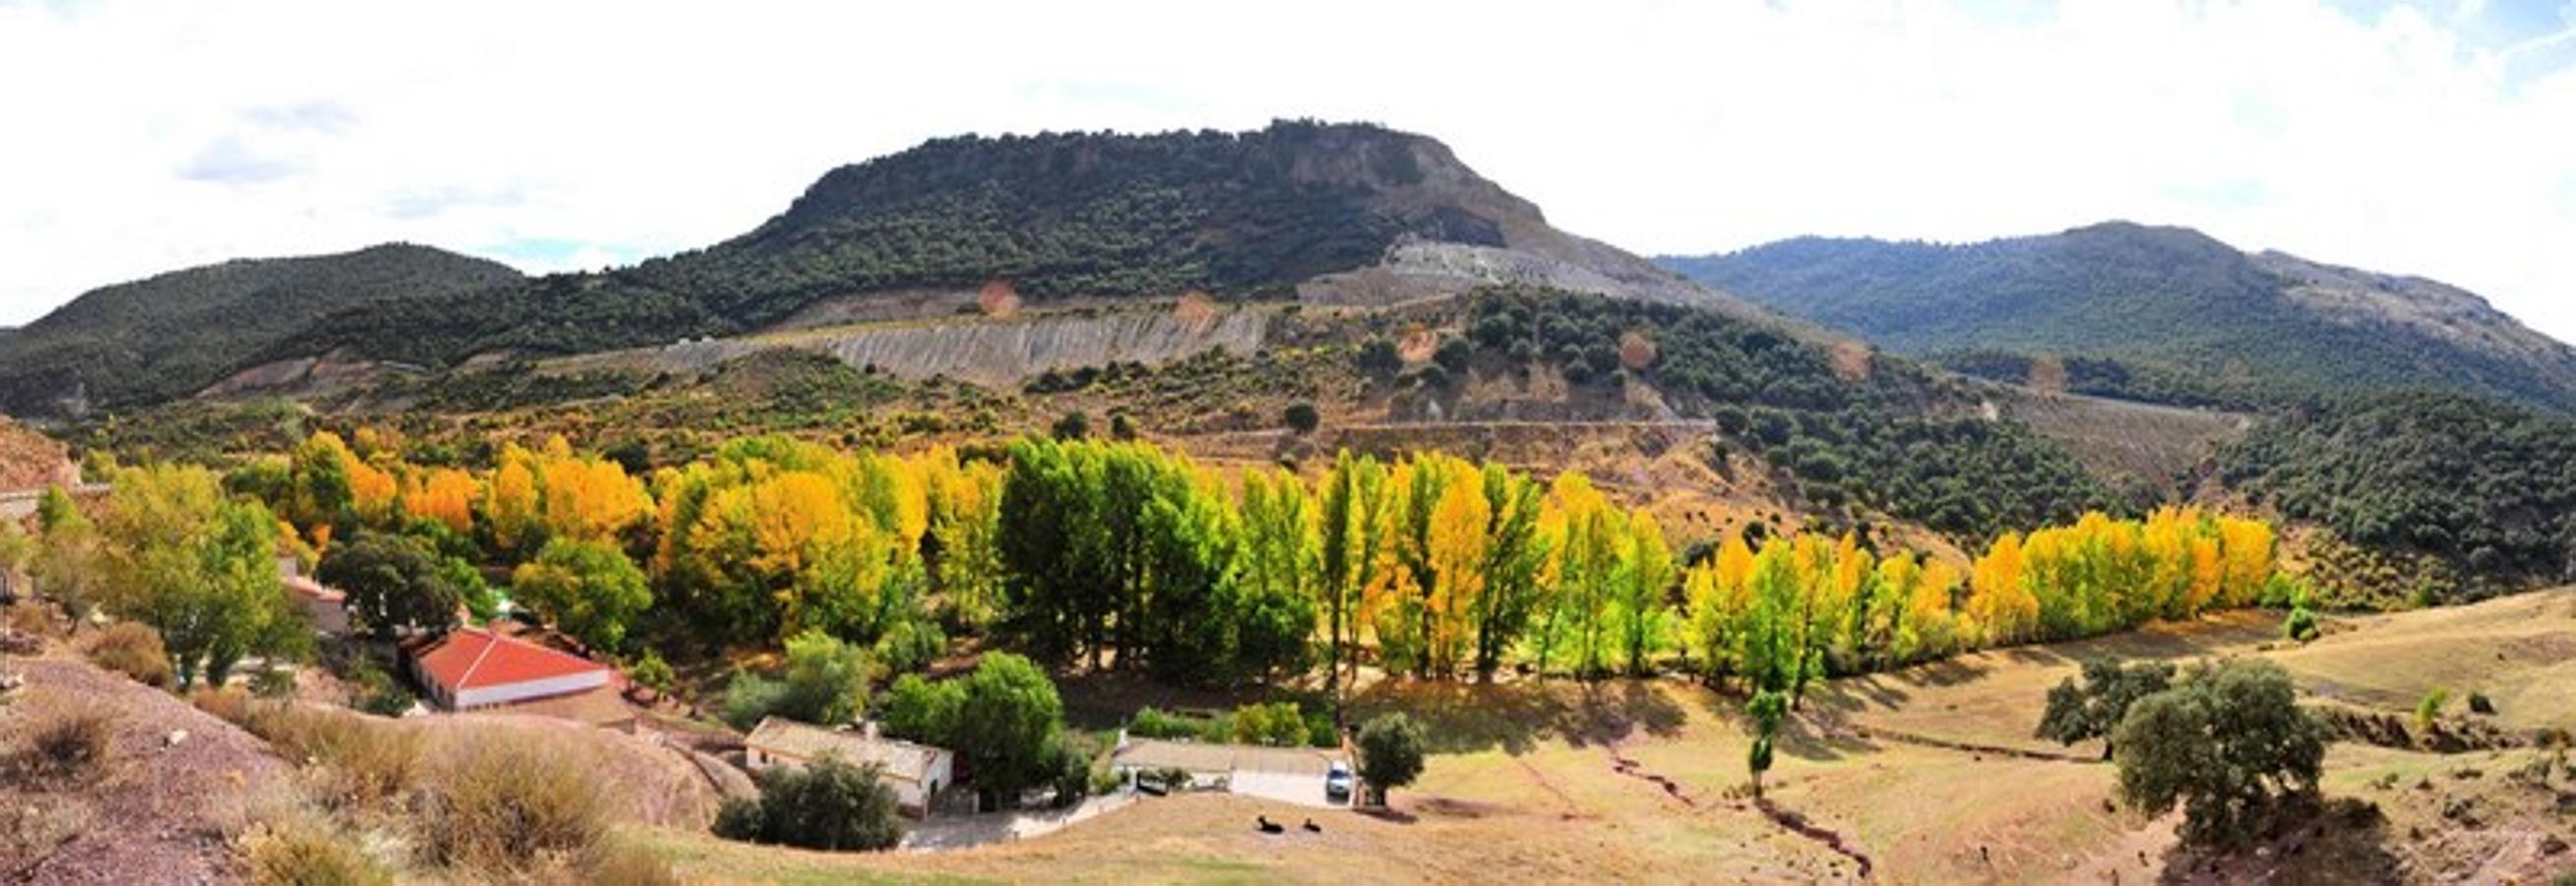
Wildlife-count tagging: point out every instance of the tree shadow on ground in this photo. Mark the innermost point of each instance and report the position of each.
(1515, 716)
(1818, 739)
(2340, 841)
(1814, 731)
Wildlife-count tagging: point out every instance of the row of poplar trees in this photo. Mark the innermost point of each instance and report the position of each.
(1124, 555)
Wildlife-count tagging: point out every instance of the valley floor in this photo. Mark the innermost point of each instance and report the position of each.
(1924, 776)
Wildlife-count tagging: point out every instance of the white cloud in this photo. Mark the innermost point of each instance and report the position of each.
(567, 134)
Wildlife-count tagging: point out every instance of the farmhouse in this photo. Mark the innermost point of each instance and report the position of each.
(474, 667)
(325, 606)
(916, 772)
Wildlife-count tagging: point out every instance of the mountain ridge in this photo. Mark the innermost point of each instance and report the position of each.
(169, 334)
(2167, 299)
(1052, 216)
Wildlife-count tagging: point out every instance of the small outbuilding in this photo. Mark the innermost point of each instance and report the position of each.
(327, 607)
(917, 772)
(473, 667)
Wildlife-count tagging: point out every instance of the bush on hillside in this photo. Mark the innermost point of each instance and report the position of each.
(750, 697)
(376, 692)
(1302, 417)
(135, 650)
(1278, 724)
(2301, 625)
(273, 682)
(303, 851)
(67, 742)
(506, 803)
(363, 762)
(1068, 763)
(910, 645)
(651, 672)
(1150, 722)
(828, 804)
(2430, 708)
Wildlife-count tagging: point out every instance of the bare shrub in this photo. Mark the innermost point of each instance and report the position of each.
(134, 650)
(34, 830)
(365, 762)
(300, 850)
(632, 865)
(67, 742)
(229, 704)
(510, 803)
(34, 619)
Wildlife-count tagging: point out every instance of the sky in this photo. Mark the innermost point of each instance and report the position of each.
(2429, 137)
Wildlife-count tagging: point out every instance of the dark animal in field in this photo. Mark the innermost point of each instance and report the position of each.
(1267, 826)
(1313, 828)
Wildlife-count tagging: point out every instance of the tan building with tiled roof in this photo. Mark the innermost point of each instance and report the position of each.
(916, 772)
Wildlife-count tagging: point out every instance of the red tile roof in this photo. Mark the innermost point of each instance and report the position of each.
(471, 658)
(306, 587)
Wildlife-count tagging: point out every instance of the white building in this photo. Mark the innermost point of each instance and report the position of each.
(479, 668)
(916, 772)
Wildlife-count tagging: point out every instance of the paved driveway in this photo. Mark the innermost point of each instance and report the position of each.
(1301, 788)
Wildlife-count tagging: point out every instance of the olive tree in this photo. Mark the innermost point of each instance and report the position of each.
(2094, 710)
(394, 582)
(2228, 744)
(1391, 751)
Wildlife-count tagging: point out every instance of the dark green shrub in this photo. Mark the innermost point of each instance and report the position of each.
(1320, 732)
(1152, 723)
(2301, 625)
(1302, 417)
(376, 692)
(910, 645)
(651, 672)
(750, 697)
(827, 804)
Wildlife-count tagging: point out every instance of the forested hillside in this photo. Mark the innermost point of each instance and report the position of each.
(2189, 319)
(1855, 430)
(172, 334)
(2486, 489)
(1055, 215)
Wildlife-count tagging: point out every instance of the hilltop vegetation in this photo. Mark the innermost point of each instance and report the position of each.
(2168, 301)
(173, 334)
(1056, 215)
(2485, 489)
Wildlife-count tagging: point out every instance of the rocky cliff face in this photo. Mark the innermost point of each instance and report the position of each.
(990, 352)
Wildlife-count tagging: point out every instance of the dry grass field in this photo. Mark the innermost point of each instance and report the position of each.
(1930, 774)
